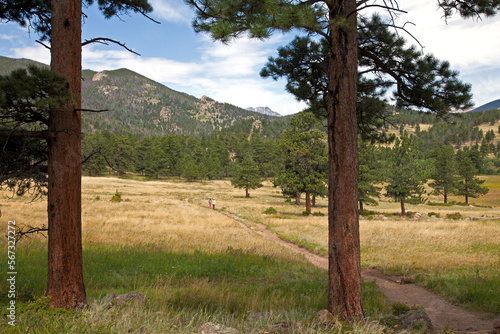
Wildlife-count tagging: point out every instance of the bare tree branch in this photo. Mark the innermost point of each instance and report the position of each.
(105, 41)
(28, 230)
(43, 44)
(93, 110)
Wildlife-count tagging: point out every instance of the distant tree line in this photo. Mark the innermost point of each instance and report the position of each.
(296, 159)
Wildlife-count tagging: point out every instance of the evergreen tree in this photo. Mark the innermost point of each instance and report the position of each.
(190, 169)
(60, 21)
(247, 175)
(370, 174)
(469, 185)
(405, 177)
(444, 174)
(92, 151)
(26, 97)
(336, 22)
(304, 158)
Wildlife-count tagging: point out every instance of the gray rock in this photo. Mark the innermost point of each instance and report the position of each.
(213, 328)
(415, 319)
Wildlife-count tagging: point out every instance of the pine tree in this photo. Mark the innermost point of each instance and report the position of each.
(405, 177)
(370, 174)
(445, 174)
(247, 175)
(60, 21)
(336, 22)
(469, 185)
(303, 147)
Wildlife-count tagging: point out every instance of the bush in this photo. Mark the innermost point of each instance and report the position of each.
(454, 216)
(401, 308)
(305, 213)
(117, 197)
(270, 211)
(437, 215)
(320, 214)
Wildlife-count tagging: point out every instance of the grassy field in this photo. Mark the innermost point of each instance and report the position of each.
(197, 265)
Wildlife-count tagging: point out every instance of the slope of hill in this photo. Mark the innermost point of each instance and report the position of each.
(8, 65)
(493, 105)
(138, 105)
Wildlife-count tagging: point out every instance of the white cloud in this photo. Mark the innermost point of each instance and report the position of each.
(226, 73)
(172, 10)
(37, 52)
(471, 46)
(6, 37)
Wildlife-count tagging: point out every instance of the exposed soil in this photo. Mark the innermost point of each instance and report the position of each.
(442, 313)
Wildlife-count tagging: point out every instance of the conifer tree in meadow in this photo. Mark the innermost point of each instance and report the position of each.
(247, 175)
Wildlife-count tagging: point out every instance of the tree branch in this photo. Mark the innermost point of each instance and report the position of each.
(26, 134)
(27, 230)
(105, 41)
(43, 44)
(93, 110)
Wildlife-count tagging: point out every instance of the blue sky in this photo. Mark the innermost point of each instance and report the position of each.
(173, 54)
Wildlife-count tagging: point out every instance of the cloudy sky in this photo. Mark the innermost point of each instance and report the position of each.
(171, 53)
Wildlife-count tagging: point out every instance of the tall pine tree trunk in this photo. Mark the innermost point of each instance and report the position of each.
(344, 291)
(65, 267)
(403, 211)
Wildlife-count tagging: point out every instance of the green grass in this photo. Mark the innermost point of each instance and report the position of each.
(183, 290)
(475, 289)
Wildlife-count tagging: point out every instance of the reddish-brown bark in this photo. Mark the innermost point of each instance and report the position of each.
(65, 265)
(344, 291)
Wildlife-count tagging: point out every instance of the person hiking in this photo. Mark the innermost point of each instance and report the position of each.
(210, 203)
(213, 203)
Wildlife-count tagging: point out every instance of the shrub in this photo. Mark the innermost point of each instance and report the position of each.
(270, 211)
(437, 215)
(117, 197)
(305, 213)
(454, 216)
(320, 214)
(399, 308)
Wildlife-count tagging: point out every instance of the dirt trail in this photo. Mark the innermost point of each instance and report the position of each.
(442, 313)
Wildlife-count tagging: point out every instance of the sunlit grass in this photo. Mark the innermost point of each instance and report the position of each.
(130, 245)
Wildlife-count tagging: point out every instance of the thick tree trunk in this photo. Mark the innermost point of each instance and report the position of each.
(445, 197)
(247, 194)
(344, 291)
(65, 266)
(403, 211)
(308, 201)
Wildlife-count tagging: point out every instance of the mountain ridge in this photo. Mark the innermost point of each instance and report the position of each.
(139, 105)
(493, 105)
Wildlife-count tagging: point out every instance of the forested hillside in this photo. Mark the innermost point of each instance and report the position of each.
(122, 101)
(138, 105)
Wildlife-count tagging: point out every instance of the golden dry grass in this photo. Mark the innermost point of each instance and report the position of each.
(174, 215)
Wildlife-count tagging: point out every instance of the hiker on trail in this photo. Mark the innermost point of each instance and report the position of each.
(213, 203)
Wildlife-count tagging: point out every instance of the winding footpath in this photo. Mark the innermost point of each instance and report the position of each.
(442, 313)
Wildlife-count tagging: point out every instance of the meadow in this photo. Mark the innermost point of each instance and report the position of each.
(197, 265)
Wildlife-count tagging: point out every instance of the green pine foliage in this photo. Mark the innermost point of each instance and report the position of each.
(405, 177)
(247, 175)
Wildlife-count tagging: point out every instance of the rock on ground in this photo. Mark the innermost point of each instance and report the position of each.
(213, 328)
